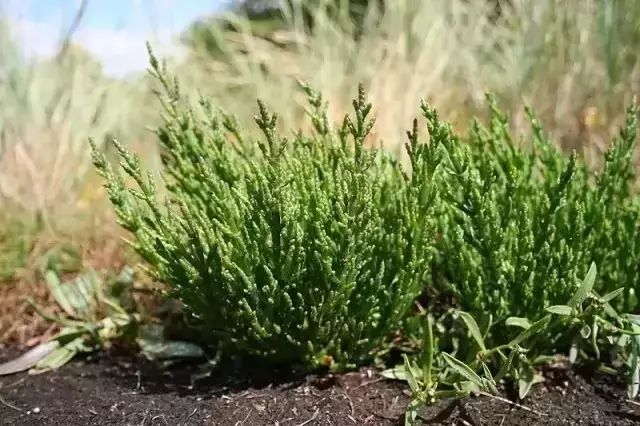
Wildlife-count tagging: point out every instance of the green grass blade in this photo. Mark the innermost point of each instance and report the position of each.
(411, 379)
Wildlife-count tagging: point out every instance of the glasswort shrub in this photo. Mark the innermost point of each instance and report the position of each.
(307, 250)
(521, 224)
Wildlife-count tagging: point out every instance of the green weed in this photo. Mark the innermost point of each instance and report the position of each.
(587, 319)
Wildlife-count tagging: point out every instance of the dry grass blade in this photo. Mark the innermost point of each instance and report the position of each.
(6, 404)
(311, 419)
(514, 404)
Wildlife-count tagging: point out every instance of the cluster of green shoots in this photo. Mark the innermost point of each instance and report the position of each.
(312, 250)
(588, 320)
(308, 250)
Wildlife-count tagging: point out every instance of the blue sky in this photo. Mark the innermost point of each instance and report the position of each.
(115, 31)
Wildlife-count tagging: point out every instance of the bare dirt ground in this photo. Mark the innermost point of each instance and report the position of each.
(124, 389)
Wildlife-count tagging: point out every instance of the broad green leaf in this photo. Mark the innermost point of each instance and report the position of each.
(573, 353)
(68, 334)
(621, 341)
(156, 348)
(464, 370)
(398, 373)
(472, 325)
(518, 322)
(585, 288)
(170, 350)
(468, 387)
(487, 372)
(542, 359)
(77, 297)
(80, 293)
(524, 386)
(560, 310)
(608, 370)
(488, 379)
(635, 319)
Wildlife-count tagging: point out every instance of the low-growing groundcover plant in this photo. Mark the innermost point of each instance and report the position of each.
(593, 323)
(522, 223)
(308, 250)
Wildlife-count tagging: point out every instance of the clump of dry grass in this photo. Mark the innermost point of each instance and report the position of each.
(45, 124)
(573, 61)
(50, 197)
(49, 110)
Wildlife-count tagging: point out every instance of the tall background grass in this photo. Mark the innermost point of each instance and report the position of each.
(575, 62)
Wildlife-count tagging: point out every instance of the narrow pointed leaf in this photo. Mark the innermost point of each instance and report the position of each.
(518, 322)
(472, 325)
(411, 379)
(463, 369)
(59, 294)
(585, 288)
(560, 310)
(28, 359)
(531, 331)
(610, 296)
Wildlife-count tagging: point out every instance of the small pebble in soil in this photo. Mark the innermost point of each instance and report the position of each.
(36, 410)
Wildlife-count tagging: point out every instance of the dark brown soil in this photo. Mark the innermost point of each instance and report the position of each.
(126, 390)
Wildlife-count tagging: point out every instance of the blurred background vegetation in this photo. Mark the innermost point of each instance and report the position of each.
(576, 62)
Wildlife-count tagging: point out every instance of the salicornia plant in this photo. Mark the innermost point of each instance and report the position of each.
(522, 223)
(308, 249)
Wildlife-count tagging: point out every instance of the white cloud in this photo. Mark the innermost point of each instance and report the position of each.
(124, 51)
(121, 51)
(36, 38)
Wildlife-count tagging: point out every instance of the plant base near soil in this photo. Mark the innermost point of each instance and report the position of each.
(116, 388)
